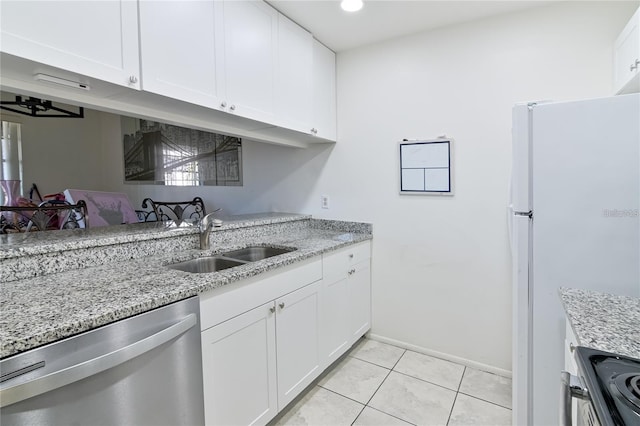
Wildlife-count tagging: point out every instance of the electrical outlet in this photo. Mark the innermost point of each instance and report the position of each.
(324, 201)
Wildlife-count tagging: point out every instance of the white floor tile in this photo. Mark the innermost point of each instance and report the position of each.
(355, 379)
(378, 353)
(487, 386)
(322, 407)
(431, 369)
(371, 417)
(413, 400)
(471, 411)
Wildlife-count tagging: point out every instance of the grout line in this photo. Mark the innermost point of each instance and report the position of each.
(461, 379)
(378, 388)
(490, 402)
(401, 356)
(369, 362)
(339, 394)
(452, 405)
(426, 381)
(391, 415)
(456, 397)
(359, 414)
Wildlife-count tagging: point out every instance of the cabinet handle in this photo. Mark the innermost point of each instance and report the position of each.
(223, 105)
(232, 107)
(634, 66)
(314, 131)
(272, 309)
(133, 79)
(351, 272)
(571, 347)
(281, 304)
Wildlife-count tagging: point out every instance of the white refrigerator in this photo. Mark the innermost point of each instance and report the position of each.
(575, 223)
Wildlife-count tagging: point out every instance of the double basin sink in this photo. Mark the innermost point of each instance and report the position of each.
(229, 259)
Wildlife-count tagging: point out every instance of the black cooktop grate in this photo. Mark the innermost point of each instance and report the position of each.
(628, 386)
(612, 381)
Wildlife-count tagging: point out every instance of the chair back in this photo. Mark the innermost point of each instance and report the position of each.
(48, 215)
(171, 210)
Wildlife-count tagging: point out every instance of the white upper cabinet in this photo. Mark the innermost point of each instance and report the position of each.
(178, 51)
(94, 38)
(250, 32)
(324, 92)
(626, 62)
(295, 76)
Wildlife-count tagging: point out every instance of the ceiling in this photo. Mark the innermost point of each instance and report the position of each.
(385, 19)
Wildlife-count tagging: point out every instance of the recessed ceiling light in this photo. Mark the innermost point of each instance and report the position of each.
(351, 5)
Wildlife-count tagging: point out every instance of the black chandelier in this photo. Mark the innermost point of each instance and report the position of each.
(34, 107)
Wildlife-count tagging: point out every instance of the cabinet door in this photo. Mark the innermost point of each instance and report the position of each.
(178, 50)
(294, 89)
(627, 57)
(250, 31)
(336, 329)
(298, 345)
(239, 369)
(323, 116)
(360, 299)
(94, 38)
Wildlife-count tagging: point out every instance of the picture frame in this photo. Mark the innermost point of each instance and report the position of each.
(426, 166)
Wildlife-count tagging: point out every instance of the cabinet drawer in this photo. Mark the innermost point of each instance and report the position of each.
(335, 265)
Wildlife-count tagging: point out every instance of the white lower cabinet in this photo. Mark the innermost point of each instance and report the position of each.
(266, 338)
(346, 307)
(336, 336)
(239, 369)
(298, 341)
(249, 375)
(359, 283)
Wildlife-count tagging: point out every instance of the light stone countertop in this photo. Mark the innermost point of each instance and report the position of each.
(604, 321)
(30, 243)
(40, 310)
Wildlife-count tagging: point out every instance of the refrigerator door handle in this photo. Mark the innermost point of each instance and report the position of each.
(528, 214)
(11, 395)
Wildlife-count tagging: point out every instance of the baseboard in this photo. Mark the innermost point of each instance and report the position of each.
(442, 355)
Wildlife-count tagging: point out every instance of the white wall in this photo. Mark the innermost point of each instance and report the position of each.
(441, 269)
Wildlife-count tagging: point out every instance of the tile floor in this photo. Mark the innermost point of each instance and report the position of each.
(380, 384)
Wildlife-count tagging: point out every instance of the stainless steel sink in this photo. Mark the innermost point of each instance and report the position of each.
(253, 254)
(229, 259)
(206, 264)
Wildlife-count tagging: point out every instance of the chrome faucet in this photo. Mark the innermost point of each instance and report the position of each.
(205, 226)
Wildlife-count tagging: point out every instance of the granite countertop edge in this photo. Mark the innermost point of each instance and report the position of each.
(603, 321)
(155, 286)
(17, 245)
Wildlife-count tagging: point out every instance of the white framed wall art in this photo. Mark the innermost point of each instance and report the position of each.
(426, 166)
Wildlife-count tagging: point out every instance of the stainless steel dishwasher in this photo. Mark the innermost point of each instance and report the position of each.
(143, 370)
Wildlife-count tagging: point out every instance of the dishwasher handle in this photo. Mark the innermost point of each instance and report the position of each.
(570, 387)
(96, 365)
